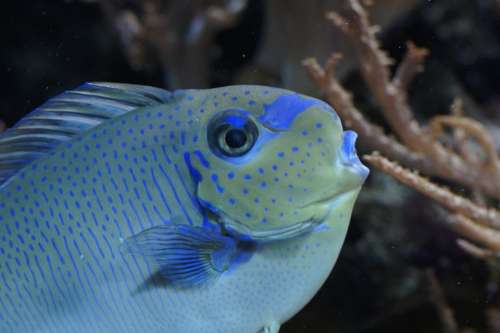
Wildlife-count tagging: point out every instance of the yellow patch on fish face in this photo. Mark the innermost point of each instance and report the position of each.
(275, 166)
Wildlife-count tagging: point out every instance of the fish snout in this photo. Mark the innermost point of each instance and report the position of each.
(349, 157)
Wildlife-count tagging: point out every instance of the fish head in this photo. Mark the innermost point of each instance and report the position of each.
(274, 164)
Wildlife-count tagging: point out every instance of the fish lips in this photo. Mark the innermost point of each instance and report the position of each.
(349, 157)
(244, 232)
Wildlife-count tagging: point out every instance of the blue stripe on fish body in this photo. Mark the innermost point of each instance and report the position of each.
(195, 174)
(202, 159)
(104, 160)
(141, 168)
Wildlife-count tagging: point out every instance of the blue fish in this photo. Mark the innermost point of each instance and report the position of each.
(127, 208)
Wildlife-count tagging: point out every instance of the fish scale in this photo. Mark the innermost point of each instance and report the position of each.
(65, 176)
(146, 168)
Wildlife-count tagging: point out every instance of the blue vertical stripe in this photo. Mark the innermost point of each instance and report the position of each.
(176, 196)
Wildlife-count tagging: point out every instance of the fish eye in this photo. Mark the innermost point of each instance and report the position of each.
(231, 134)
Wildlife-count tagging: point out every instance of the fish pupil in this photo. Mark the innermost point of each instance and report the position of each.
(236, 138)
(231, 134)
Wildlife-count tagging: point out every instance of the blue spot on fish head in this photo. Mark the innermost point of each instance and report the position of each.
(278, 157)
(279, 114)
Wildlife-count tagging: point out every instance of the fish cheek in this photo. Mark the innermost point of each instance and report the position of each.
(314, 142)
(268, 189)
(217, 186)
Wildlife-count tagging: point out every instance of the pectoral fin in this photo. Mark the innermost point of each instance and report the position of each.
(186, 255)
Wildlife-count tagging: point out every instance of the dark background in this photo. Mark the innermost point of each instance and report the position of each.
(380, 283)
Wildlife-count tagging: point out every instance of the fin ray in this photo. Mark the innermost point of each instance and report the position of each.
(186, 255)
(67, 115)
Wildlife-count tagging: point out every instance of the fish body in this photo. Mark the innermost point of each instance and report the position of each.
(131, 209)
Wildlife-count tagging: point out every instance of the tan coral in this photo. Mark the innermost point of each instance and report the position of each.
(172, 34)
(421, 146)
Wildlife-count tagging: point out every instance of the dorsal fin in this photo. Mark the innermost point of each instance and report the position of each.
(67, 115)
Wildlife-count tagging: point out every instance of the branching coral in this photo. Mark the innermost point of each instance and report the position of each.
(443, 310)
(177, 35)
(279, 57)
(450, 147)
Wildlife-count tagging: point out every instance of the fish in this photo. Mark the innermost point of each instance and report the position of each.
(129, 208)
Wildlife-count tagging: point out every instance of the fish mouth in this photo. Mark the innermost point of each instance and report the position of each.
(330, 199)
(240, 230)
(297, 229)
(349, 157)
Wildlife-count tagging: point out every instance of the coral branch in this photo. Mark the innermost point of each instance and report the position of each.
(487, 237)
(493, 317)
(422, 150)
(411, 65)
(175, 35)
(487, 217)
(470, 128)
(452, 147)
(443, 309)
(374, 68)
(475, 250)
(371, 135)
